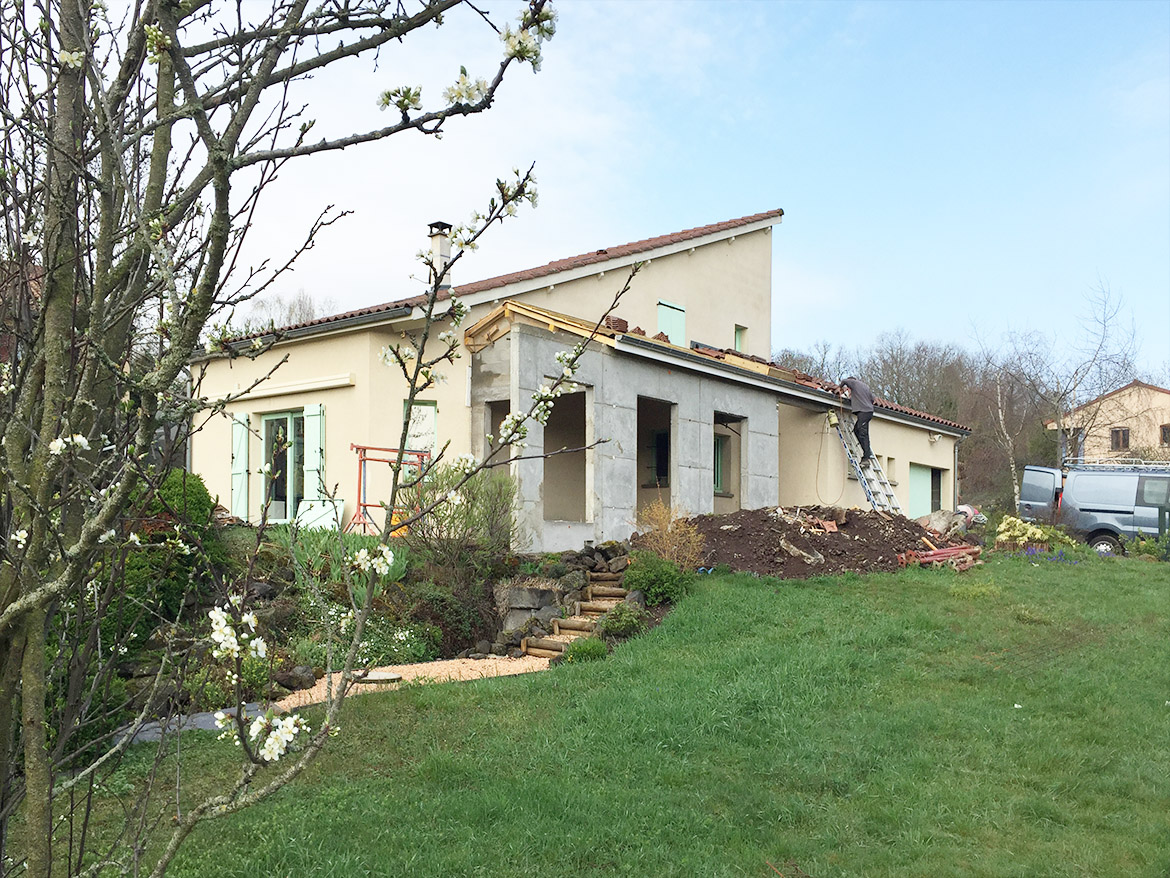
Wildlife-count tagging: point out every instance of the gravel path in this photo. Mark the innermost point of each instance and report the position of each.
(432, 672)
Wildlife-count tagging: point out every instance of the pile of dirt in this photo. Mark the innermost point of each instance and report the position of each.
(795, 543)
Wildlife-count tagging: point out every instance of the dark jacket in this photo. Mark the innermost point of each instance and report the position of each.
(860, 396)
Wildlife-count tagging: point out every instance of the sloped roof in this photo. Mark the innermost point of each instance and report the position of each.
(828, 387)
(498, 322)
(1131, 386)
(595, 257)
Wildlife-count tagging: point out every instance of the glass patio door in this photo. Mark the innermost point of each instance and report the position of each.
(284, 452)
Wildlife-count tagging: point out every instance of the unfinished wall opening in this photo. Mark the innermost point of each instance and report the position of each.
(564, 474)
(654, 451)
(727, 463)
(495, 412)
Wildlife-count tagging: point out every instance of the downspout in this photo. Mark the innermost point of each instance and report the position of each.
(955, 504)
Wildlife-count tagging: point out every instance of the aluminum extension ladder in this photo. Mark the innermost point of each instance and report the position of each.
(871, 475)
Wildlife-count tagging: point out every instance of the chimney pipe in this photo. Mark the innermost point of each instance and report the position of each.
(440, 249)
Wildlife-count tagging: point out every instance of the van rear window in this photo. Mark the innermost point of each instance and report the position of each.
(1038, 486)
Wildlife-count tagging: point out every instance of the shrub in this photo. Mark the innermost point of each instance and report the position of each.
(1016, 532)
(1154, 547)
(456, 619)
(471, 533)
(624, 620)
(659, 579)
(586, 649)
(670, 537)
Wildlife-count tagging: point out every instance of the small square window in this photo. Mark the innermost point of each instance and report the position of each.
(1119, 439)
(740, 338)
(1166, 434)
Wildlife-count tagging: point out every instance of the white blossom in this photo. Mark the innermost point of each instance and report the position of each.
(107, 536)
(29, 238)
(465, 90)
(57, 446)
(72, 59)
(80, 441)
(133, 540)
(19, 538)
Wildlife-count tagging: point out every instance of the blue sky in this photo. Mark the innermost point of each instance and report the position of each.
(956, 170)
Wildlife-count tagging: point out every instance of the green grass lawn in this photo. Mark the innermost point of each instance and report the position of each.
(1010, 721)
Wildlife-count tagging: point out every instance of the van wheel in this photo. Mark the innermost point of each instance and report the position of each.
(1105, 544)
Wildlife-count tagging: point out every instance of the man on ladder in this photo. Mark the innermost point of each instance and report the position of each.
(861, 404)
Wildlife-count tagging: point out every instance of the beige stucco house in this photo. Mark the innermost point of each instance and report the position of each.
(678, 384)
(1132, 421)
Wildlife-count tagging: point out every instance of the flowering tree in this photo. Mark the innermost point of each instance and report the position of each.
(123, 138)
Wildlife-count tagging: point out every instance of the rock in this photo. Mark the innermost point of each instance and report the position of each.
(516, 619)
(483, 646)
(556, 660)
(637, 597)
(300, 677)
(611, 549)
(258, 589)
(499, 649)
(379, 677)
(571, 597)
(516, 653)
(537, 631)
(943, 521)
(618, 564)
(574, 580)
(168, 693)
(464, 654)
(128, 670)
(279, 616)
(478, 655)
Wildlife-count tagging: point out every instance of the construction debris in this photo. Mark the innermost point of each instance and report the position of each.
(797, 542)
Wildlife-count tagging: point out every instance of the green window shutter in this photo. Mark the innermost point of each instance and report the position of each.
(314, 451)
(240, 436)
(672, 321)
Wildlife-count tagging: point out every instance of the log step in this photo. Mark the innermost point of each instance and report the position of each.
(529, 643)
(542, 653)
(593, 592)
(563, 626)
(594, 608)
(604, 577)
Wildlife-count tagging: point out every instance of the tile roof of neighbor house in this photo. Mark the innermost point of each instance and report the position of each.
(603, 255)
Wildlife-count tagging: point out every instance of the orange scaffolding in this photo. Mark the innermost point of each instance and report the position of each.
(373, 454)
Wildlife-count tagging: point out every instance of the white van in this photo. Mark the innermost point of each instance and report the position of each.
(1100, 502)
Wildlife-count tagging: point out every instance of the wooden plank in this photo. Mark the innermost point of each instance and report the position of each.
(604, 577)
(542, 653)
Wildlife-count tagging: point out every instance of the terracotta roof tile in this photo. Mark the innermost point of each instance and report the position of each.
(597, 256)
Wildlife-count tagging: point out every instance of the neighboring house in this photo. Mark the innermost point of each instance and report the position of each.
(676, 384)
(1132, 421)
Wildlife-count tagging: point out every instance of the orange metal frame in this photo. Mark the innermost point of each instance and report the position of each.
(373, 454)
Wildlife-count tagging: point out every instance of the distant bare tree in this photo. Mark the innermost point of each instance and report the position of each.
(921, 375)
(275, 311)
(1062, 373)
(823, 360)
